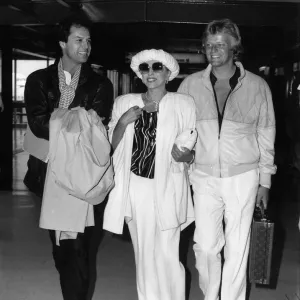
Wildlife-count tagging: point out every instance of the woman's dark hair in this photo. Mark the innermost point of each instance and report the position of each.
(65, 26)
(225, 26)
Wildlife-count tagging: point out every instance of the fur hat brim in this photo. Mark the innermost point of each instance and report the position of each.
(153, 54)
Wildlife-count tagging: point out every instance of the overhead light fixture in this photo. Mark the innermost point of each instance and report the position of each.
(92, 12)
(63, 3)
(14, 7)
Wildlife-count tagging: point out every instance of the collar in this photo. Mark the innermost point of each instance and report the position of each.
(85, 73)
(232, 81)
(207, 72)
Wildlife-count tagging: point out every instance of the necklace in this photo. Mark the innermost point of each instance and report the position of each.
(155, 102)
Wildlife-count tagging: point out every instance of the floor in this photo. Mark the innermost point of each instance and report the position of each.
(27, 271)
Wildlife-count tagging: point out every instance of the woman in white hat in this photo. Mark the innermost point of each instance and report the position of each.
(152, 135)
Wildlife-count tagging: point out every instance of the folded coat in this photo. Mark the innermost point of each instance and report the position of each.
(79, 167)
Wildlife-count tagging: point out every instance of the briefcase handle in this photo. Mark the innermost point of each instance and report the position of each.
(260, 213)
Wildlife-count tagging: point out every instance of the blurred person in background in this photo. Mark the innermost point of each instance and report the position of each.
(1, 103)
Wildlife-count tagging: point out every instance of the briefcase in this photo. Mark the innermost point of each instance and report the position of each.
(261, 246)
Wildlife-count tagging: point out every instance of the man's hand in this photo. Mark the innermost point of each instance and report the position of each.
(182, 156)
(262, 196)
(130, 115)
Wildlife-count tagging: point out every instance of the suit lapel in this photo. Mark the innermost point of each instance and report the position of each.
(53, 86)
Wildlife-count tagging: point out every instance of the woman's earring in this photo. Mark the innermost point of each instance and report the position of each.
(167, 81)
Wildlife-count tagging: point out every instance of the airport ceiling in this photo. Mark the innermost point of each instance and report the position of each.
(270, 29)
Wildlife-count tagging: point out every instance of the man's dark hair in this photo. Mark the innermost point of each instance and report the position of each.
(224, 26)
(65, 26)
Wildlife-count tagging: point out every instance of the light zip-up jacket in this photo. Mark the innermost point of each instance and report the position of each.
(173, 202)
(244, 140)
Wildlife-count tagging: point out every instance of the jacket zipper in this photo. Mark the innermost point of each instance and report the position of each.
(221, 115)
(220, 121)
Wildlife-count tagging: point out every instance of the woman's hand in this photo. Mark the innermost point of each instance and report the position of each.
(182, 156)
(131, 115)
(128, 117)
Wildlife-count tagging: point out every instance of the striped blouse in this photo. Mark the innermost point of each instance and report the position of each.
(144, 145)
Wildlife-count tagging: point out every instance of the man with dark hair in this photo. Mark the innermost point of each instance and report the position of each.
(233, 163)
(68, 83)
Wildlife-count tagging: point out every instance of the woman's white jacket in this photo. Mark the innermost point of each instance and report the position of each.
(173, 202)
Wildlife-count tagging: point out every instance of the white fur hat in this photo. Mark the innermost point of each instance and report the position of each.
(159, 55)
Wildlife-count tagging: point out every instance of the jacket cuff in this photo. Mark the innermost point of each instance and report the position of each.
(265, 180)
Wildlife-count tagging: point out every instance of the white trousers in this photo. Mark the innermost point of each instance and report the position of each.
(160, 275)
(231, 199)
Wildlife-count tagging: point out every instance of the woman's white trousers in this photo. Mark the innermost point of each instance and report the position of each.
(159, 273)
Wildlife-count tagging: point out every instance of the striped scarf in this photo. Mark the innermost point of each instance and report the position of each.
(67, 92)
